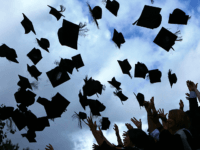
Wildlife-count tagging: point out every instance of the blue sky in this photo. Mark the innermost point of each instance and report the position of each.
(100, 57)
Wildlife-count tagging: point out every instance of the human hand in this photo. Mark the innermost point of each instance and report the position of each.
(191, 86)
(50, 147)
(99, 132)
(147, 106)
(116, 128)
(90, 124)
(129, 126)
(161, 114)
(125, 133)
(152, 105)
(137, 123)
(181, 104)
(94, 146)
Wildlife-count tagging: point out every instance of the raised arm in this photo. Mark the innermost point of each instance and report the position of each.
(118, 136)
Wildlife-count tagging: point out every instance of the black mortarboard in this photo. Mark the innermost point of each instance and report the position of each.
(96, 13)
(78, 62)
(165, 39)
(150, 17)
(178, 17)
(68, 34)
(19, 119)
(6, 112)
(57, 76)
(56, 13)
(94, 107)
(27, 24)
(30, 136)
(155, 76)
(140, 70)
(118, 38)
(125, 66)
(105, 123)
(34, 71)
(115, 83)
(44, 43)
(140, 99)
(24, 83)
(172, 78)
(30, 119)
(35, 55)
(80, 116)
(113, 6)
(8, 52)
(120, 95)
(83, 100)
(67, 65)
(41, 123)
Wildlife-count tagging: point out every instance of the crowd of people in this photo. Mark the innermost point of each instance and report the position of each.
(179, 132)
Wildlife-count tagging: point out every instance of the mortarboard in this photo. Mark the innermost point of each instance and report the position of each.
(19, 119)
(96, 13)
(6, 112)
(178, 17)
(83, 100)
(165, 39)
(67, 65)
(172, 78)
(105, 123)
(30, 136)
(41, 123)
(24, 83)
(27, 24)
(34, 71)
(120, 95)
(101, 106)
(56, 13)
(78, 62)
(35, 55)
(68, 34)
(150, 17)
(30, 119)
(113, 6)
(125, 66)
(155, 76)
(94, 107)
(140, 99)
(140, 70)
(44, 43)
(115, 83)
(118, 38)
(80, 116)
(57, 76)
(9, 53)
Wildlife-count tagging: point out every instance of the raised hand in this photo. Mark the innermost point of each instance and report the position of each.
(90, 124)
(50, 147)
(191, 86)
(116, 128)
(161, 114)
(94, 146)
(129, 126)
(181, 104)
(137, 123)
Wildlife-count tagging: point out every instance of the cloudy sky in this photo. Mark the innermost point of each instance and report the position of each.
(100, 57)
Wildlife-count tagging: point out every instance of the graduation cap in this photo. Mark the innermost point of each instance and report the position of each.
(172, 78)
(30, 136)
(68, 34)
(34, 71)
(115, 83)
(105, 123)
(140, 70)
(24, 83)
(6, 112)
(96, 13)
(57, 76)
(67, 65)
(78, 62)
(41, 123)
(27, 24)
(94, 107)
(83, 100)
(125, 66)
(120, 95)
(150, 17)
(113, 6)
(56, 13)
(8, 52)
(155, 76)
(140, 99)
(178, 17)
(30, 119)
(80, 116)
(19, 119)
(118, 38)
(166, 39)
(35, 55)
(44, 43)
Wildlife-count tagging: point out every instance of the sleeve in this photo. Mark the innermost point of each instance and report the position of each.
(155, 134)
(193, 102)
(105, 146)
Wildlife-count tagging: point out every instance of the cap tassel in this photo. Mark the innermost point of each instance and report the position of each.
(62, 9)
(135, 22)
(81, 30)
(189, 17)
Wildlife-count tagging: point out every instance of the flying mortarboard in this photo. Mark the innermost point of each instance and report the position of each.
(140, 99)
(67, 65)
(113, 6)
(27, 24)
(68, 34)
(6, 112)
(9, 53)
(57, 13)
(118, 38)
(155, 76)
(172, 78)
(44, 43)
(166, 39)
(57, 76)
(34, 71)
(150, 17)
(41, 123)
(94, 107)
(96, 13)
(80, 116)
(140, 70)
(35, 55)
(121, 96)
(115, 83)
(30, 136)
(178, 17)
(24, 83)
(83, 100)
(105, 123)
(78, 62)
(19, 119)
(30, 119)
(125, 66)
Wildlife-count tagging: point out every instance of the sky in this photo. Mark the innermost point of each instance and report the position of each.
(100, 56)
